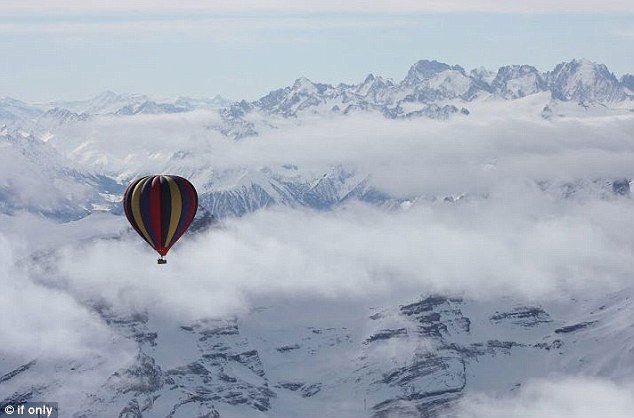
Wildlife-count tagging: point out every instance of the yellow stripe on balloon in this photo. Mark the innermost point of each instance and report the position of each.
(136, 209)
(177, 204)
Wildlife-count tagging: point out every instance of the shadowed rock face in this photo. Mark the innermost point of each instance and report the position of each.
(621, 187)
(525, 316)
(575, 327)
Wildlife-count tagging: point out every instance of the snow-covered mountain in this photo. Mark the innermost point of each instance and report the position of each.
(416, 359)
(44, 176)
(132, 104)
(515, 81)
(430, 89)
(16, 110)
(433, 82)
(40, 116)
(245, 191)
(585, 82)
(118, 148)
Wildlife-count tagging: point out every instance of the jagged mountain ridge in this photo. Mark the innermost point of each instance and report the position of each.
(255, 189)
(432, 82)
(428, 82)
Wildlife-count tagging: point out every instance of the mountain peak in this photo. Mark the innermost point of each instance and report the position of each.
(424, 69)
(515, 81)
(303, 83)
(583, 61)
(584, 80)
(107, 93)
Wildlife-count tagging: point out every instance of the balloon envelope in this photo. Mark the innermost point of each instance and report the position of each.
(160, 209)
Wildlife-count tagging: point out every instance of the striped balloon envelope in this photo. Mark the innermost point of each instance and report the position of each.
(160, 209)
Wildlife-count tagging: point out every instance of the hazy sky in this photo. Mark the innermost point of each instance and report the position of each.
(243, 49)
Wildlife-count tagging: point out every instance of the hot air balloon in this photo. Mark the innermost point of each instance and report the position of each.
(160, 209)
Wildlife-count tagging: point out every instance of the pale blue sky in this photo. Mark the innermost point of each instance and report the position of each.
(245, 54)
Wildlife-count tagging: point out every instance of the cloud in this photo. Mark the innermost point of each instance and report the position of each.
(527, 245)
(145, 6)
(64, 329)
(513, 233)
(42, 322)
(404, 158)
(560, 397)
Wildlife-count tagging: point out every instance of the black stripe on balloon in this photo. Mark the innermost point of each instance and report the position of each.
(166, 209)
(127, 205)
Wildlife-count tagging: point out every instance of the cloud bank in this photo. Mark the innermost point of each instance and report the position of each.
(498, 144)
(529, 245)
(512, 233)
(561, 397)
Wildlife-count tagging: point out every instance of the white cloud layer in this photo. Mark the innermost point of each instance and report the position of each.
(51, 322)
(499, 144)
(560, 397)
(527, 245)
(46, 327)
(519, 240)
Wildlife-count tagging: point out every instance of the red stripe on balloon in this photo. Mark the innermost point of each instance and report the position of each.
(155, 213)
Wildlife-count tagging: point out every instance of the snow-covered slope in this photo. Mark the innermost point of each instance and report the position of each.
(131, 104)
(12, 110)
(515, 81)
(37, 179)
(585, 81)
(341, 359)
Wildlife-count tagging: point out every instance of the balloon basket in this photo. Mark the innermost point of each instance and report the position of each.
(161, 261)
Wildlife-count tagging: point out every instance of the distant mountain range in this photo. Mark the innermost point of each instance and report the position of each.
(438, 90)
(107, 103)
(431, 89)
